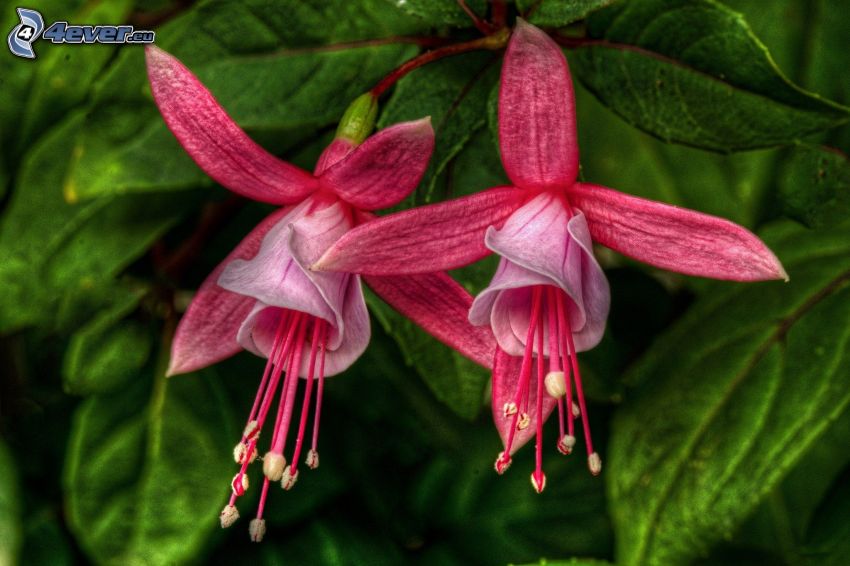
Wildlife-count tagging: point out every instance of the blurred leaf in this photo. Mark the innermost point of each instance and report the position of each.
(487, 518)
(147, 471)
(570, 562)
(45, 540)
(454, 380)
(730, 399)
(442, 12)
(64, 73)
(108, 350)
(828, 543)
(453, 92)
(695, 74)
(814, 186)
(269, 66)
(558, 13)
(10, 522)
(51, 251)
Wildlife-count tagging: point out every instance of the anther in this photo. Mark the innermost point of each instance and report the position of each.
(576, 411)
(241, 450)
(509, 409)
(251, 430)
(228, 516)
(312, 460)
(566, 443)
(289, 478)
(273, 465)
(257, 529)
(239, 483)
(523, 422)
(555, 385)
(503, 462)
(538, 481)
(594, 462)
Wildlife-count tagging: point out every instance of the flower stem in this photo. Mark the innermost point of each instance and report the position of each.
(482, 26)
(499, 13)
(492, 42)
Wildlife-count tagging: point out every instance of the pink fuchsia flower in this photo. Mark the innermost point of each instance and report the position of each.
(264, 299)
(549, 298)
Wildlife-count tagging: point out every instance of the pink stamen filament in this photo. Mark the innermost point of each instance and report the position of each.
(579, 392)
(321, 388)
(554, 354)
(565, 332)
(539, 409)
(318, 332)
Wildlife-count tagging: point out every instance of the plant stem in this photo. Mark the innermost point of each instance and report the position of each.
(493, 42)
(482, 26)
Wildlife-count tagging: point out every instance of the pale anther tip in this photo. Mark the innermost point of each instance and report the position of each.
(503, 462)
(257, 529)
(228, 516)
(594, 462)
(538, 481)
(523, 422)
(556, 387)
(312, 459)
(273, 465)
(288, 478)
(566, 443)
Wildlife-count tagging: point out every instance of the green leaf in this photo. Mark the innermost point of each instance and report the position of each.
(814, 186)
(442, 12)
(147, 471)
(52, 252)
(108, 350)
(558, 13)
(692, 72)
(65, 73)
(453, 92)
(829, 538)
(10, 523)
(730, 399)
(456, 381)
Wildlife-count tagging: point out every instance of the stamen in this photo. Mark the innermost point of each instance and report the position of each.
(318, 330)
(257, 529)
(312, 460)
(555, 385)
(290, 476)
(273, 465)
(538, 480)
(239, 484)
(503, 462)
(563, 330)
(525, 370)
(228, 515)
(566, 443)
(524, 421)
(313, 454)
(594, 462)
(509, 409)
(579, 393)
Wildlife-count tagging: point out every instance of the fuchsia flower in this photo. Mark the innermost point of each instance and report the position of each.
(549, 298)
(263, 298)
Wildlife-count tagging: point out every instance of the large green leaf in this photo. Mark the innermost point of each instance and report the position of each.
(829, 538)
(53, 253)
(730, 399)
(10, 529)
(271, 68)
(109, 350)
(814, 186)
(692, 72)
(148, 469)
(442, 12)
(557, 13)
(453, 92)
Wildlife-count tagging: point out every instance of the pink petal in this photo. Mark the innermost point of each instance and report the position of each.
(260, 326)
(385, 168)
(336, 150)
(438, 304)
(541, 245)
(424, 239)
(277, 276)
(215, 142)
(537, 119)
(506, 372)
(207, 332)
(675, 238)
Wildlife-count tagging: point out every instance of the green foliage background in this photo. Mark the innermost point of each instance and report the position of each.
(720, 409)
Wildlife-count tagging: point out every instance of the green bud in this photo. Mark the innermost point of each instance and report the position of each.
(359, 119)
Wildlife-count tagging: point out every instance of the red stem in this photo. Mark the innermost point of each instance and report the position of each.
(482, 26)
(499, 13)
(493, 42)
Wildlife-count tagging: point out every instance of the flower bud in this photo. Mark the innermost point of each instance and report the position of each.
(359, 119)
